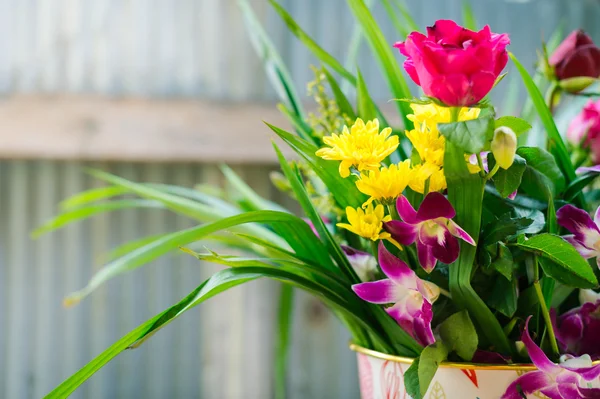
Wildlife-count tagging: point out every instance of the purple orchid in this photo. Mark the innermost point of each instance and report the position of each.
(431, 227)
(411, 296)
(363, 263)
(557, 381)
(577, 330)
(586, 233)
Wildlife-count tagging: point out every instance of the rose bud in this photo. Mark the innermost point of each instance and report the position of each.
(584, 129)
(504, 146)
(576, 62)
(453, 64)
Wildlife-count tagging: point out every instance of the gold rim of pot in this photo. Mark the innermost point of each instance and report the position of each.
(454, 365)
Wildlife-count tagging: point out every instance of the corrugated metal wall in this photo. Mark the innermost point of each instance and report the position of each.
(198, 48)
(172, 48)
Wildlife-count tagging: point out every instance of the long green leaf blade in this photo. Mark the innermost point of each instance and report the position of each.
(557, 145)
(385, 57)
(310, 44)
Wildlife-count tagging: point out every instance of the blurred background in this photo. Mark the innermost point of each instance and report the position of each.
(164, 91)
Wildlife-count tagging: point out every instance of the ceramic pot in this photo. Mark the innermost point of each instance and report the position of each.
(382, 377)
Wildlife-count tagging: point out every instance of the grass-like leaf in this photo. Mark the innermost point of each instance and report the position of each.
(311, 45)
(385, 57)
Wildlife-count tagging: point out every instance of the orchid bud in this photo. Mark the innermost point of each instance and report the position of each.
(504, 146)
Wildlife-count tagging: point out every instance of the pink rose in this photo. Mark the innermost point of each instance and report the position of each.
(453, 64)
(584, 129)
(576, 56)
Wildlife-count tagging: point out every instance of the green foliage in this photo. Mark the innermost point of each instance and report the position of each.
(458, 335)
(504, 297)
(518, 125)
(560, 260)
(365, 105)
(508, 180)
(542, 179)
(472, 136)
(310, 44)
(556, 143)
(384, 56)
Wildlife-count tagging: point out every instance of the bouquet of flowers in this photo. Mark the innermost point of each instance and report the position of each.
(443, 240)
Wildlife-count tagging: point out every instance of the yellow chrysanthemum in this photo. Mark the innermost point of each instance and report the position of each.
(385, 184)
(430, 144)
(422, 172)
(432, 114)
(367, 223)
(363, 146)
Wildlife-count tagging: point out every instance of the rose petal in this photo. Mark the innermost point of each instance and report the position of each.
(406, 211)
(396, 269)
(380, 292)
(434, 206)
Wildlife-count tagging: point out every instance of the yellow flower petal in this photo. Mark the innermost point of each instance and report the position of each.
(366, 223)
(362, 146)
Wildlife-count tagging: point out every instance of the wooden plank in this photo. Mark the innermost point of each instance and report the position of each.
(99, 128)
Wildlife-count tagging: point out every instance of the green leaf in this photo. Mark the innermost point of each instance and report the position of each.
(197, 296)
(502, 228)
(508, 180)
(542, 177)
(517, 125)
(422, 370)
(566, 265)
(92, 195)
(402, 28)
(276, 70)
(504, 297)
(458, 335)
(503, 261)
(578, 184)
(471, 136)
(283, 333)
(365, 105)
(465, 192)
(385, 57)
(343, 190)
(251, 197)
(86, 211)
(300, 237)
(468, 16)
(557, 145)
(310, 44)
(340, 98)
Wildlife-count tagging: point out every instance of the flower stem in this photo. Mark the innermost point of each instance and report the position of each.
(544, 308)
(492, 172)
(393, 212)
(480, 163)
(445, 293)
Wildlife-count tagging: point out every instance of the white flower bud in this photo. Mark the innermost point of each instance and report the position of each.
(504, 146)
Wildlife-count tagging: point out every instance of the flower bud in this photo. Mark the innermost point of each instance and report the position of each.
(504, 146)
(576, 57)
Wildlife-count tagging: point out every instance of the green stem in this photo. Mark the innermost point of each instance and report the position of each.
(393, 211)
(465, 192)
(544, 308)
(480, 163)
(492, 172)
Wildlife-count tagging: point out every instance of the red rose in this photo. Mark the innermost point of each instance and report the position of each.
(576, 56)
(453, 64)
